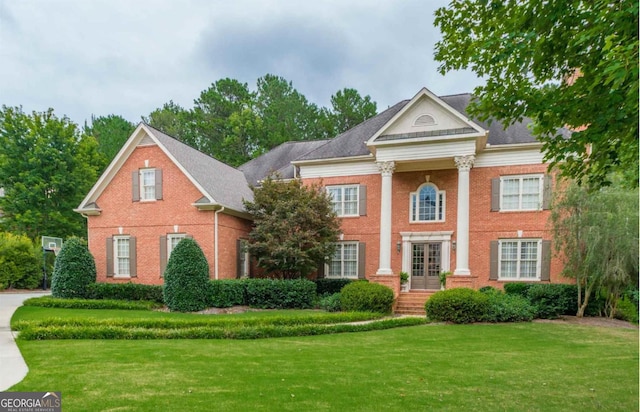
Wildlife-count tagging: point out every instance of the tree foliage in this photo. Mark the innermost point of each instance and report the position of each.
(560, 63)
(186, 278)
(596, 233)
(294, 227)
(20, 265)
(46, 167)
(111, 132)
(74, 270)
(234, 124)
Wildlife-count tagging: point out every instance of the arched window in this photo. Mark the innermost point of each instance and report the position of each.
(427, 204)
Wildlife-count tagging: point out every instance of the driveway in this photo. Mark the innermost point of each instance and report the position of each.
(12, 366)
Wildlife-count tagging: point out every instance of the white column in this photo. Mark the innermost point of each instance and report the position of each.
(464, 164)
(386, 170)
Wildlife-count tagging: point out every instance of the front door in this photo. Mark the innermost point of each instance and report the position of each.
(426, 265)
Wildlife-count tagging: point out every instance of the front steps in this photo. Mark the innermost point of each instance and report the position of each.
(412, 302)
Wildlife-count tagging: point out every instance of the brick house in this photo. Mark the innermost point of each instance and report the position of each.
(419, 188)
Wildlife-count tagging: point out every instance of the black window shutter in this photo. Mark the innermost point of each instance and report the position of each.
(239, 258)
(545, 265)
(163, 254)
(133, 264)
(158, 184)
(546, 192)
(135, 186)
(495, 194)
(320, 272)
(362, 199)
(109, 257)
(493, 260)
(361, 261)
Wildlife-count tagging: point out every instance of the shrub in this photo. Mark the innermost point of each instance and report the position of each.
(503, 307)
(125, 291)
(226, 293)
(552, 300)
(19, 262)
(280, 294)
(73, 271)
(186, 278)
(458, 305)
(488, 290)
(330, 286)
(626, 310)
(51, 302)
(517, 288)
(366, 297)
(330, 303)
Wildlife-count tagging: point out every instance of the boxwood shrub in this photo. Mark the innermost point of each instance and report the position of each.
(125, 291)
(280, 294)
(330, 286)
(330, 303)
(186, 278)
(517, 288)
(553, 300)
(366, 297)
(458, 305)
(74, 270)
(503, 307)
(226, 293)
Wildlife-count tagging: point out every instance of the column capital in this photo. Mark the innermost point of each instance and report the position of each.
(464, 163)
(386, 168)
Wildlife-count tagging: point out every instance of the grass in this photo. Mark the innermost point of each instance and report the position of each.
(511, 367)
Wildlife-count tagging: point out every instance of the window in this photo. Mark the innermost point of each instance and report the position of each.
(348, 200)
(147, 184)
(520, 259)
(122, 256)
(344, 263)
(172, 242)
(521, 192)
(427, 204)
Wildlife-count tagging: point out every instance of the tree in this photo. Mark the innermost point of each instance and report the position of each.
(596, 233)
(74, 270)
(186, 278)
(294, 227)
(561, 63)
(175, 121)
(111, 132)
(46, 167)
(349, 109)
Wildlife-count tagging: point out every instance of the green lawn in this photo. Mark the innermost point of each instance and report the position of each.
(513, 367)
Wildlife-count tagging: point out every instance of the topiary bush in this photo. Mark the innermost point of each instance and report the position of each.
(458, 305)
(19, 262)
(280, 294)
(362, 296)
(125, 291)
(73, 271)
(331, 286)
(504, 307)
(226, 293)
(330, 303)
(186, 278)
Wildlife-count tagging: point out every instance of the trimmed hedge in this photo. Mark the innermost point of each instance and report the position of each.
(73, 271)
(125, 291)
(186, 278)
(517, 288)
(504, 307)
(327, 286)
(51, 302)
(553, 300)
(366, 297)
(458, 305)
(226, 293)
(280, 294)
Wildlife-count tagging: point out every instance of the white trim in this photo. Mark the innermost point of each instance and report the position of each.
(519, 242)
(116, 257)
(170, 237)
(539, 176)
(345, 159)
(434, 150)
(141, 185)
(423, 237)
(334, 169)
(511, 156)
(342, 276)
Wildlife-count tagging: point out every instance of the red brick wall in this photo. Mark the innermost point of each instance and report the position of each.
(147, 221)
(484, 225)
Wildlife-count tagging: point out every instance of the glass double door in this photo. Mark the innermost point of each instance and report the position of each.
(426, 265)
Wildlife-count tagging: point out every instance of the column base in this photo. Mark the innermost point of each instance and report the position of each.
(463, 272)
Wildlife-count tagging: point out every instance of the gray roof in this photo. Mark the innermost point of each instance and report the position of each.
(278, 160)
(353, 141)
(225, 184)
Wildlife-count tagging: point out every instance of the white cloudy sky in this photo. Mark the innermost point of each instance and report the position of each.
(128, 57)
